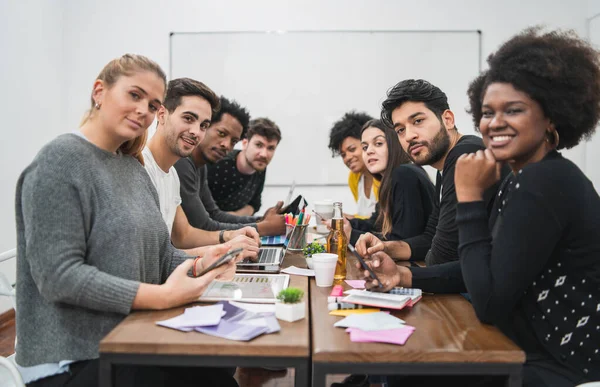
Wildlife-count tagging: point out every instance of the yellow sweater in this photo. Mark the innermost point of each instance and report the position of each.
(353, 179)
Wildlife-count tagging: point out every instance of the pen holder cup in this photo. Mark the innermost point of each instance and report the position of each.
(288, 230)
(297, 238)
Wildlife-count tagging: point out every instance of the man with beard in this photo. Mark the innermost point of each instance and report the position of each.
(419, 113)
(236, 182)
(228, 126)
(182, 122)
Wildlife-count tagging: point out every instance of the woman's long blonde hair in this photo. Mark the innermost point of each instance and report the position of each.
(127, 65)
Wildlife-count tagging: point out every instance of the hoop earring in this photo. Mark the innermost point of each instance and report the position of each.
(553, 138)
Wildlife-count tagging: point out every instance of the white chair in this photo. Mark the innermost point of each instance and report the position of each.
(6, 288)
(9, 375)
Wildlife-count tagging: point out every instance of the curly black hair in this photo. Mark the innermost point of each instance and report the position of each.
(349, 125)
(558, 70)
(236, 111)
(413, 90)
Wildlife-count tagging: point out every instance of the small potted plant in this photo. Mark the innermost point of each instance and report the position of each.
(310, 249)
(289, 306)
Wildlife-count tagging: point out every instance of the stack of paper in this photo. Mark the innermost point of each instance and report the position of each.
(224, 320)
(378, 327)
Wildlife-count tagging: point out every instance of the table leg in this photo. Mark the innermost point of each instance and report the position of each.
(105, 370)
(319, 375)
(302, 374)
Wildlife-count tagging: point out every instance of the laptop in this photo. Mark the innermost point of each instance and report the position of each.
(270, 258)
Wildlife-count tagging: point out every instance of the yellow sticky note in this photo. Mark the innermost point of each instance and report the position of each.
(347, 312)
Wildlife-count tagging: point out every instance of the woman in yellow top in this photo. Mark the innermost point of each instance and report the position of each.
(344, 140)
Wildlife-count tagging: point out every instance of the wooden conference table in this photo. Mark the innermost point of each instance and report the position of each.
(448, 340)
(138, 340)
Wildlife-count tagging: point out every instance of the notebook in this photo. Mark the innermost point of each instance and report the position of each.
(414, 294)
(379, 300)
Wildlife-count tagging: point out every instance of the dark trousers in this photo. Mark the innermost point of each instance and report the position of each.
(85, 374)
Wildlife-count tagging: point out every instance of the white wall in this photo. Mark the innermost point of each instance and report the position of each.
(31, 101)
(52, 50)
(592, 156)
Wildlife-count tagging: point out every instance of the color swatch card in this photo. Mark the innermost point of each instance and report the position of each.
(348, 312)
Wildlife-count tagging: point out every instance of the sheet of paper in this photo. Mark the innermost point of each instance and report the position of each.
(348, 312)
(397, 336)
(299, 271)
(176, 322)
(238, 331)
(371, 321)
(201, 316)
(195, 316)
(356, 284)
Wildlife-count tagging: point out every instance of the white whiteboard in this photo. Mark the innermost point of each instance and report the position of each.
(305, 81)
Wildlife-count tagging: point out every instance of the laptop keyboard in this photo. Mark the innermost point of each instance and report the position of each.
(268, 256)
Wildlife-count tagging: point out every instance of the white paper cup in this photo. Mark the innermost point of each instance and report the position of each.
(324, 266)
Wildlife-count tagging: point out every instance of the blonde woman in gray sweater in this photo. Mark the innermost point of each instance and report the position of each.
(91, 242)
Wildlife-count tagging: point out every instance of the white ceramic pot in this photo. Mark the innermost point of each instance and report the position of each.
(289, 312)
(309, 263)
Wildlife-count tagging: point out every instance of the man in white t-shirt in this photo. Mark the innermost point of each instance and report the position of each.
(182, 122)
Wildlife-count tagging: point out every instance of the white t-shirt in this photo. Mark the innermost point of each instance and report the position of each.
(167, 186)
(365, 205)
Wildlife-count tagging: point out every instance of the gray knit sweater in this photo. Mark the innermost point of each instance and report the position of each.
(89, 230)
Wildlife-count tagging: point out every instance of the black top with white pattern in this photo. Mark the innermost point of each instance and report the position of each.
(230, 188)
(533, 269)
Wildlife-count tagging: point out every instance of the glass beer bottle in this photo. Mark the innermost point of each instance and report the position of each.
(337, 243)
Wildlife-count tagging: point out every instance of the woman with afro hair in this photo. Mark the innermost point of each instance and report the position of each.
(533, 268)
(344, 140)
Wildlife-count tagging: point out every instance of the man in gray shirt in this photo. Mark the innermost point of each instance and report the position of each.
(228, 126)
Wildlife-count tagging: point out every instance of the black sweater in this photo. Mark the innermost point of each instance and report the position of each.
(534, 270)
(439, 242)
(412, 199)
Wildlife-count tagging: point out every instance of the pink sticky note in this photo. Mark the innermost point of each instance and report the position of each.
(397, 336)
(337, 291)
(356, 284)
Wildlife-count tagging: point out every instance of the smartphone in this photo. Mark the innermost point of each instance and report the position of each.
(228, 256)
(364, 265)
(293, 207)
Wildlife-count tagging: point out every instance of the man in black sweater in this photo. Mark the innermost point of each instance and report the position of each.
(227, 127)
(236, 181)
(419, 113)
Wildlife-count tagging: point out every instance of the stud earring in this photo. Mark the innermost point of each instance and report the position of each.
(97, 106)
